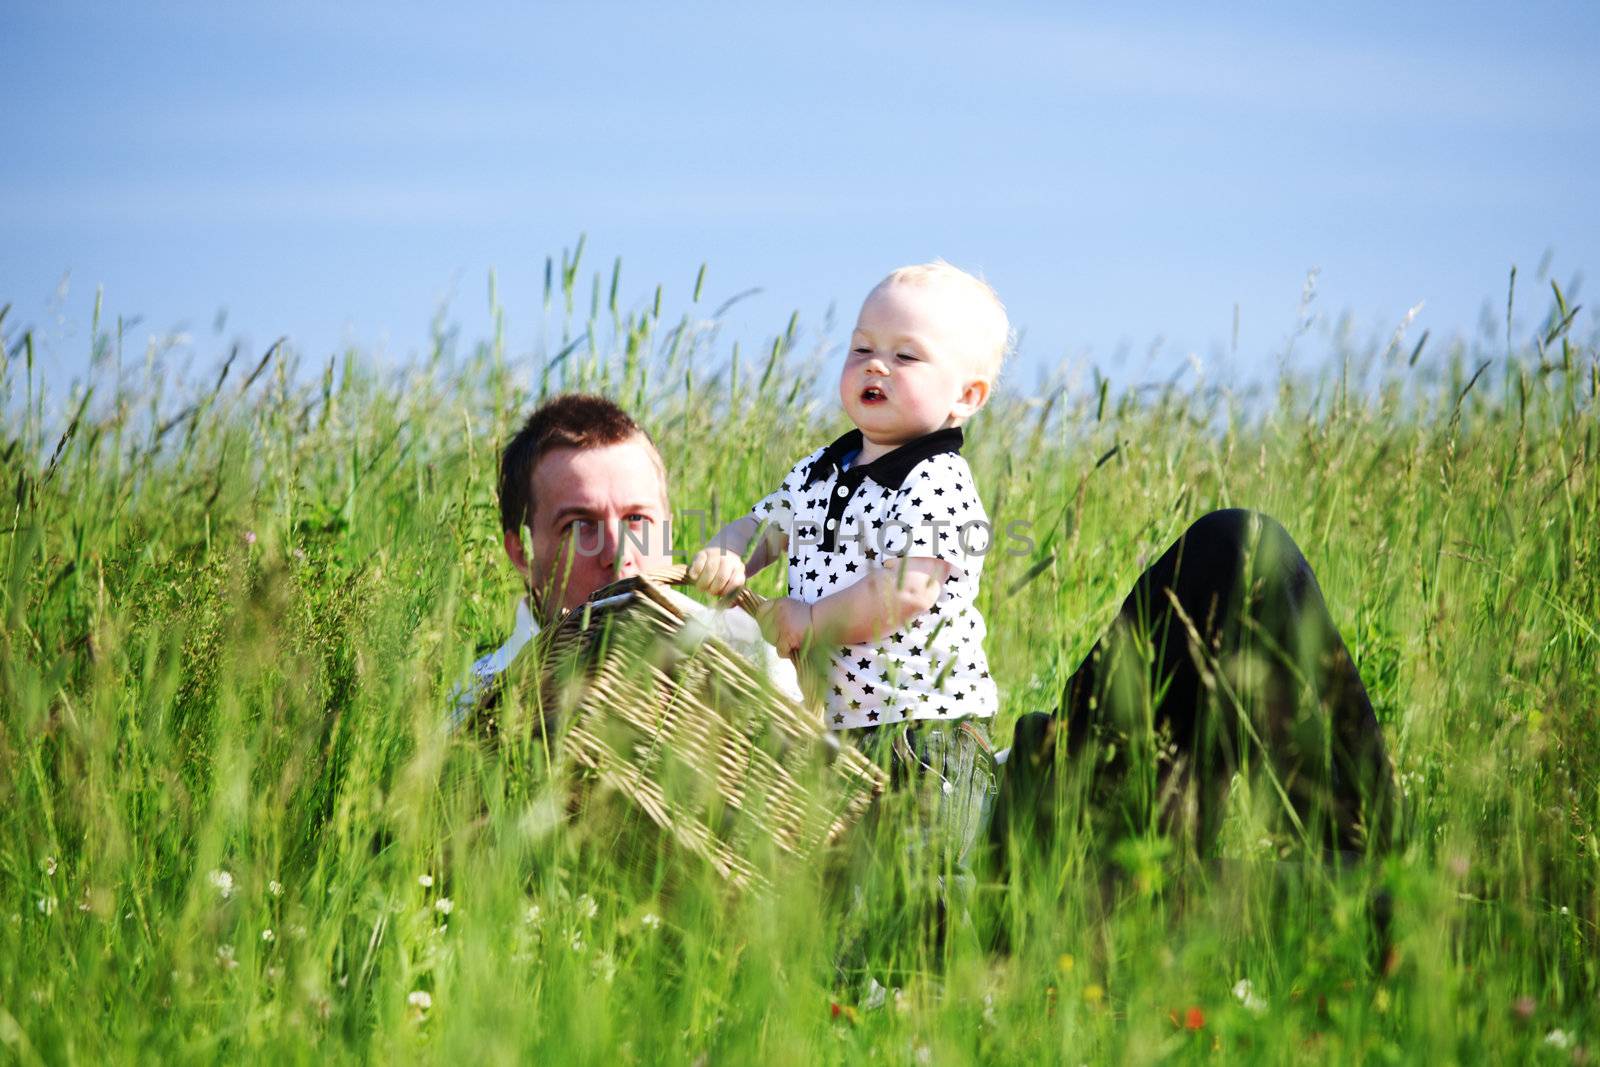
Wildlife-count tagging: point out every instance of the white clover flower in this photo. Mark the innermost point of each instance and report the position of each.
(1245, 993)
(533, 916)
(587, 907)
(1558, 1038)
(577, 941)
(47, 905)
(268, 936)
(223, 882)
(425, 881)
(225, 957)
(420, 999)
(650, 921)
(444, 906)
(275, 887)
(49, 866)
(876, 994)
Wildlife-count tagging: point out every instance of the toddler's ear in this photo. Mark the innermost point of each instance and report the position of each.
(973, 396)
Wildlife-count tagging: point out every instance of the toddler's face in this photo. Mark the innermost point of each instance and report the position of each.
(915, 363)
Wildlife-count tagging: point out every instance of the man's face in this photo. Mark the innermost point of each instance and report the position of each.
(599, 514)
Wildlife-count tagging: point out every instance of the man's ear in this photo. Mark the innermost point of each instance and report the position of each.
(973, 396)
(518, 557)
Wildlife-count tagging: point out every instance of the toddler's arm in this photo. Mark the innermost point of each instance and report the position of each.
(720, 567)
(882, 602)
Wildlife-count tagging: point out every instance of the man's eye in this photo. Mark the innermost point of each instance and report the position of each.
(637, 518)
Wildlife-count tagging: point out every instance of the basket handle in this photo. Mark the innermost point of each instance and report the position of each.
(678, 574)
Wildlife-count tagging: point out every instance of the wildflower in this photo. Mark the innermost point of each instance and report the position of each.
(444, 906)
(577, 941)
(249, 537)
(425, 881)
(587, 907)
(1065, 963)
(1094, 993)
(605, 968)
(274, 973)
(49, 866)
(1245, 994)
(275, 887)
(650, 921)
(1558, 1038)
(1194, 1019)
(420, 999)
(225, 957)
(223, 881)
(268, 936)
(876, 995)
(1524, 1007)
(1459, 866)
(533, 916)
(47, 905)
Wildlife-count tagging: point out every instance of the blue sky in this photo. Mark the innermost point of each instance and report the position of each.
(335, 171)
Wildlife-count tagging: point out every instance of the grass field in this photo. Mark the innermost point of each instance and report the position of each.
(230, 827)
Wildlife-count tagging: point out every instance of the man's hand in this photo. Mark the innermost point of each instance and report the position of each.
(717, 570)
(786, 622)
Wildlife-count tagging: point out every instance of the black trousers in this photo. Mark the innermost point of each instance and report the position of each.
(1223, 660)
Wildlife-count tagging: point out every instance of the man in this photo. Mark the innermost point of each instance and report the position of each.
(583, 503)
(587, 485)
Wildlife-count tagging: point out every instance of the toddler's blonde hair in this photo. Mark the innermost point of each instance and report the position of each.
(996, 331)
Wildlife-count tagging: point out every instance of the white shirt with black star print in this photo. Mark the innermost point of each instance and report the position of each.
(842, 521)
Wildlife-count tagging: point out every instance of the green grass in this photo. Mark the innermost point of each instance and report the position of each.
(230, 627)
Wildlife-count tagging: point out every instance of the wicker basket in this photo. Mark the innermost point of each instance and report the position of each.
(696, 737)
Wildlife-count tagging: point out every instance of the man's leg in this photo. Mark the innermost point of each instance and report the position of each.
(1224, 650)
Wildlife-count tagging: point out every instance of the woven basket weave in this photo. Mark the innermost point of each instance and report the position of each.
(695, 736)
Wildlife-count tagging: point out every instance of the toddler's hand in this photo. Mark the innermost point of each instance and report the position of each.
(785, 622)
(717, 570)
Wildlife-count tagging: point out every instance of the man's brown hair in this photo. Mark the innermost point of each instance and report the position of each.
(571, 420)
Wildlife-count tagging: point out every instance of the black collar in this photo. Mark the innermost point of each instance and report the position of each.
(889, 469)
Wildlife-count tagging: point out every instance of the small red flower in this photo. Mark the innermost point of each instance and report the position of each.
(1194, 1019)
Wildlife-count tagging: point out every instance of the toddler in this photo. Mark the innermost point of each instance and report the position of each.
(885, 535)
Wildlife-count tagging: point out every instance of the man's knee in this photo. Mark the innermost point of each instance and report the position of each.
(1235, 529)
(1241, 533)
